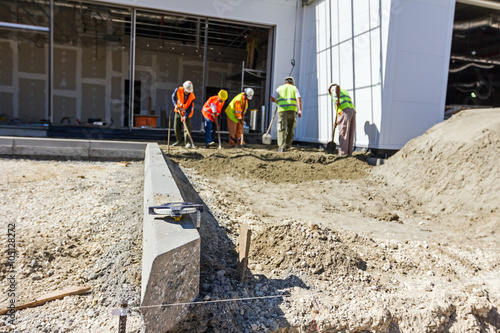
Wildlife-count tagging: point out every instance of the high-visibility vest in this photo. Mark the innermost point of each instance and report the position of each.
(287, 100)
(207, 109)
(344, 100)
(183, 105)
(237, 108)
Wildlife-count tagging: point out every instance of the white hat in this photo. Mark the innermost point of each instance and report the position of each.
(188, 86)
(249, 93)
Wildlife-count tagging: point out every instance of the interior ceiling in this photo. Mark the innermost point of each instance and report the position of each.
(475, 56)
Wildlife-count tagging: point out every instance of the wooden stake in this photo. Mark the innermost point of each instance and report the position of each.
(244, 250)
(50, 297)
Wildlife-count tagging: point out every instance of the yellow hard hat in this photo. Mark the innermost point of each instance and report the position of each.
(223, 95)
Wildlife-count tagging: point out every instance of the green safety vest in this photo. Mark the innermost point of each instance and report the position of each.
(286, 100)
(345, 100)
(230, 108)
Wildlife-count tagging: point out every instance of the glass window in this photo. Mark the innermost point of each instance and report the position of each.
(345, 20)
(346, 66)
(362, 60)
(91, 64)
(361, 12)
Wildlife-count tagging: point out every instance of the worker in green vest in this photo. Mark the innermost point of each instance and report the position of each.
(235, 112)
(287, 97)
(346, 120)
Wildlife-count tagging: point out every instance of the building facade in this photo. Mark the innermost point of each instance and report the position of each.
(115, 64)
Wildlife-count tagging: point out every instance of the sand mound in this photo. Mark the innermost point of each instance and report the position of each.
(453, 167)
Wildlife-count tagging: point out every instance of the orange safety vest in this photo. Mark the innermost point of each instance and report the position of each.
(183, 105)
(207, 110)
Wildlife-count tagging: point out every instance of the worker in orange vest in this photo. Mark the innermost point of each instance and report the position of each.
(183, 99)
(211, 110)
(235, 112)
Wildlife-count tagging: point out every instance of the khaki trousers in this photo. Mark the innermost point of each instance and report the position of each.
(287, 121)
(347, 128)
(178, 128)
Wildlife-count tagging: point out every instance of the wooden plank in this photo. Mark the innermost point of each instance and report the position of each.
(244, 250)
(50, 297)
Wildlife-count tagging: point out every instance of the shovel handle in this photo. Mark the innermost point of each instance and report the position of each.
(272, 120)
(189, 134)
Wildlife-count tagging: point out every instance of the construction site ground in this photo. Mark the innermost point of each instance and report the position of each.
(337, 245)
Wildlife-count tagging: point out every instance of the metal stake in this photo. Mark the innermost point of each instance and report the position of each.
(122, 325)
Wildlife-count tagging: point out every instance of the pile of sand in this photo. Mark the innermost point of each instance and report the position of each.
(453, 167)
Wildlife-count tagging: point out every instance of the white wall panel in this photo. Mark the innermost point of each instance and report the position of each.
(417, 118)
(419, 69)
(418, 53)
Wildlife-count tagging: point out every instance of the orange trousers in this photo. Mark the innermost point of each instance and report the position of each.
(235, 132)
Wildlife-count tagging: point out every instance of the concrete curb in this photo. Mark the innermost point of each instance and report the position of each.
(171, 250)
(68, 148)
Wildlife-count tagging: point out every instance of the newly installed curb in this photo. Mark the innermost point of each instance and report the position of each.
(171, 250)
(67, 148)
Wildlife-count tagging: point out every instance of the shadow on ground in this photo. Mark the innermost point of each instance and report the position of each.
(225, 304)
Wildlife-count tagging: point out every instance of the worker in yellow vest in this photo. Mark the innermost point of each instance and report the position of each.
(211, 111)
(183, 99)
(235, 112)
(289, 102)
(346, 120)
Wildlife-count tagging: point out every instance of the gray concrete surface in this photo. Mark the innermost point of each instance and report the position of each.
(69, 148)
(171, 250)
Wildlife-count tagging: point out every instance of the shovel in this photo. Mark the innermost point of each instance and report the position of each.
(168, 138)
(330, 147)
(266, 137)
(189, 134)
(218, 130)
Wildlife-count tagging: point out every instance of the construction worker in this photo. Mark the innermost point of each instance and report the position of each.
(288, 98)
(235, 112)
(346, 119)
(211, 110)
(183, 99)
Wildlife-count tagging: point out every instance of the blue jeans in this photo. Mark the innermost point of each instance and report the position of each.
(210, 131)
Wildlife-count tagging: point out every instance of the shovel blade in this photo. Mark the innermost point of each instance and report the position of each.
(266, 139)
(330, 147)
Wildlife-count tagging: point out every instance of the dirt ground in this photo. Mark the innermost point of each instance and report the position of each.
(409, 246)
(337, 245)
(72, 224)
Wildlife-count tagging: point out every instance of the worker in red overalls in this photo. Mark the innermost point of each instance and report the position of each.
(183, 99)
(211, 111)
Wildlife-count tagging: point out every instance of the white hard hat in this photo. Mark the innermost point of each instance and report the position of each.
(188, 86)
(290, 79)
(249, 93)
